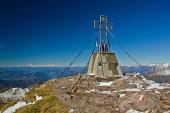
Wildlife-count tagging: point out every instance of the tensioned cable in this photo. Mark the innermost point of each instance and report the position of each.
(85, 66)
(124, 50)
(93, 48)
(91, 52)
(77, 56)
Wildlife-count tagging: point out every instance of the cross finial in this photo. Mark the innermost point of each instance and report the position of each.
(103, 26)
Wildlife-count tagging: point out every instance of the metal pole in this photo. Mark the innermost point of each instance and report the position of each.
(100, 34)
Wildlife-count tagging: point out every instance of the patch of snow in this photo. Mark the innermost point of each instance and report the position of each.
(71, 79)
(122, 95)
(134, 111)
(157, 92)
(167, 92)
(19, 104)
(131, 83)
(167, 111)
(147, 81)
(16, 106)
(115, 91)
(104, 83)
(117, 109)
(131, 89)
(100, 92)
(155, 85)
(166, 65)
(93, 90)
(37, 98)
(14, 93)
(160, 65)
(135, 74)
(63, 87)
(138, 85)
(26, 89)
(71, 111)
(104, 92)
(166, 72)
(153, 65)
(91, 74)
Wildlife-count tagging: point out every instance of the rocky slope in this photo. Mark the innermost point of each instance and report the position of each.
(111, 95)
(40, 99)
(128, 94)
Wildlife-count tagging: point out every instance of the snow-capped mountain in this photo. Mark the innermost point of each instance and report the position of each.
(13, 94)
(157, 69)
(161, 69)
(158, 64)
(157, 72)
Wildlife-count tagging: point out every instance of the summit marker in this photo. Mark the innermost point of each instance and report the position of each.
(103, 63)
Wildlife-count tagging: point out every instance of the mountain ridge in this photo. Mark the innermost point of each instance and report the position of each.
(27, 76)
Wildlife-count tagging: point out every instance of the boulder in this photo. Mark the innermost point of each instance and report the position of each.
(141, 101)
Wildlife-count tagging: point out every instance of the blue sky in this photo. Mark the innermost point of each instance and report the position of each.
(54, 31)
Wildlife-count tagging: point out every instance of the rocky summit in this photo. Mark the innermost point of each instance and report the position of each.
(129, 94)
(89, 94)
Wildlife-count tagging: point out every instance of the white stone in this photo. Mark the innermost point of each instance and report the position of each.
(71, 79)
(37, 98)
(122, 95)
(71, 111)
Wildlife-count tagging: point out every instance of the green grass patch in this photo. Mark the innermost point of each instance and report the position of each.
(49, 104)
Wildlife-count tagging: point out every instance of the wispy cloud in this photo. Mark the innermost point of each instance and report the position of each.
(2, 45)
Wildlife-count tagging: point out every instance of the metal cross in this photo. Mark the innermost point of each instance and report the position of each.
(103, 24)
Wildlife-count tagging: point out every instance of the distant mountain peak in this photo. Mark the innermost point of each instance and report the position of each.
(160, 64)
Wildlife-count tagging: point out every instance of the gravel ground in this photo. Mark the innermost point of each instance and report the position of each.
(113, 95)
